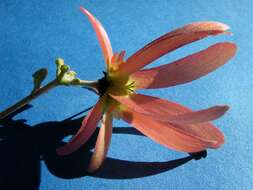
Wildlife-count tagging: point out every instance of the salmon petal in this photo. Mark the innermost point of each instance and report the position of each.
(186, 69)
(162, 110)
(88, 127)
(169, 42)
(102, 36)
(102, 143)
(166, 134)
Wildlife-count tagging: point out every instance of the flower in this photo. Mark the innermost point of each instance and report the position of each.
(168, 123)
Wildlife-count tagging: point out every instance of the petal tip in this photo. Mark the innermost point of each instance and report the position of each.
(219, 141)
(232, 47)
(212, 27)
(218, 144)
(82, 9)
(85, 11)
(227, 48)
(209, 25)
(224, 108)
(219, 25)
(222, 26)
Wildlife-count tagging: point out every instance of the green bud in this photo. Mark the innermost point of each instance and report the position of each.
(64, 68)
(68, 78)
(38, 78)
(64, 75)
(59, 61)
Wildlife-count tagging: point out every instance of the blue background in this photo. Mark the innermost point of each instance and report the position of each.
(34, 33)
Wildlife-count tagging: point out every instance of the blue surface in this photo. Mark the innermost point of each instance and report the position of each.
(34, 33)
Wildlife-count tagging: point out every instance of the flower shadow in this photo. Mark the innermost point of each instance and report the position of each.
(23, 147)
(122, 169)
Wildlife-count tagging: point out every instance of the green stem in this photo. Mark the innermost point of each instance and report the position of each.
(29, 98)
(92, 85)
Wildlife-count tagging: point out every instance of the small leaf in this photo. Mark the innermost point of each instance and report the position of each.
(38, 77)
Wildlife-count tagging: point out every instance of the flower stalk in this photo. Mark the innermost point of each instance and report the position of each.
(64, 76)
(28, 99)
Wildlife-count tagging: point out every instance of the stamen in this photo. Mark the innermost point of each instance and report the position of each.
(130, 87)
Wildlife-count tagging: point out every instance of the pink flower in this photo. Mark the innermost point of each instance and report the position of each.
(167, 123)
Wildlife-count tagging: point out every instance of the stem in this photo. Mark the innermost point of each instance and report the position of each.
(29, 98)
(90, 85)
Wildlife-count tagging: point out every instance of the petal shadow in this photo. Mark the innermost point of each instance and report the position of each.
(123, 169)
(23, 147)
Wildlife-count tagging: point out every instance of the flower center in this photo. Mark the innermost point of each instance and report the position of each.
(117, 85)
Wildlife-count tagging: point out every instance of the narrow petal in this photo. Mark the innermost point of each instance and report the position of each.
(170, 42)
(200, 116)
(88, 127)
(186, 69)
(101, 35)
(116, 60)
(167, 134)
(121, 56)
(166, 111)
(102, 143)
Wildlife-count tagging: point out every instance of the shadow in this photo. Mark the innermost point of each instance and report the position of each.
(126, 130)
(23, 147)
(19, 160)
(122, 169)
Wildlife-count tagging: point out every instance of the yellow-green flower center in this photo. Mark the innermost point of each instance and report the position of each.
(116, 85)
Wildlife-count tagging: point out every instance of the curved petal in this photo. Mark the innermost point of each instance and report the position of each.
(164, 110)
(88, 127)
(102, 143)
(101, 35)
(167, 134)
(186, 69)
(169, 42)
